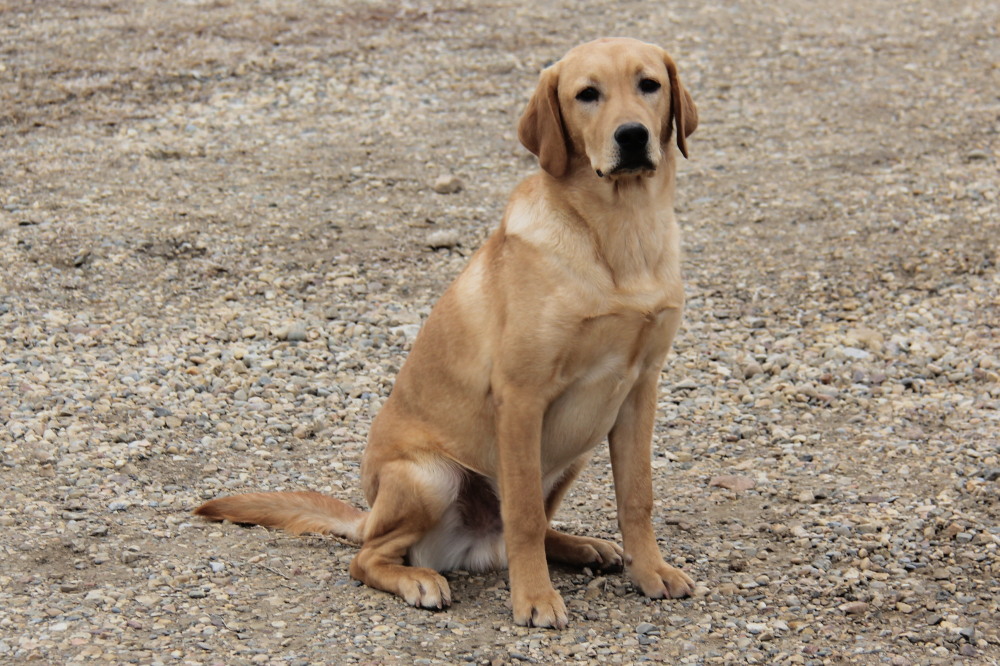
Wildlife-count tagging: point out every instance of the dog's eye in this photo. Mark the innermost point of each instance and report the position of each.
(588, 94)
(649, 85)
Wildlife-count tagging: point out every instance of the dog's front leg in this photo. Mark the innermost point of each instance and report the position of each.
(522, 507)
(631, 444)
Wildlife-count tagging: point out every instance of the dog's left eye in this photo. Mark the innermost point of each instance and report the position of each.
(649, 85)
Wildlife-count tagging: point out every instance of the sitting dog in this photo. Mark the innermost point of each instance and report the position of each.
(551, 340)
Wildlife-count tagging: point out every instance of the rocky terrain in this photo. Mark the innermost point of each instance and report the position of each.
(222, 223)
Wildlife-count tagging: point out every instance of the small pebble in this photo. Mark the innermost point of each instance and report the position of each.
(854, 608)
(444, 238)
(447, 184)
(733, 482)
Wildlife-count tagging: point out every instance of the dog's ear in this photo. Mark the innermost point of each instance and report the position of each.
(683, 112)
(541, 127)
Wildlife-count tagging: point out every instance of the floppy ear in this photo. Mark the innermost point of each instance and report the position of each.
(541, 127)
(683, 112)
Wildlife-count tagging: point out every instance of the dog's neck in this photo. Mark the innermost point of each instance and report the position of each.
(630, 221)
(623, 228)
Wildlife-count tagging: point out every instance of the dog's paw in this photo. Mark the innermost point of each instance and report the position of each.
(608, 556)
(580, 551)
(662, 581)
(425, 588)
(540, 609)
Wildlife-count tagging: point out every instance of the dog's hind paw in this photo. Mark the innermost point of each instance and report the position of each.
(597, 554)
(424, 588)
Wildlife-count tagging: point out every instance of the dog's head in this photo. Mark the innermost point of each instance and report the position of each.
(611, 102)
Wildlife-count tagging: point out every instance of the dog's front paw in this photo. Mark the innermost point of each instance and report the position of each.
(662, 581)
(543, 608)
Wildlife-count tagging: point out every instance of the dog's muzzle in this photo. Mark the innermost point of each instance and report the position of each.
(632, 142)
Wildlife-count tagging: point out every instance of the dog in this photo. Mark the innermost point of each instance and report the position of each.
(551, 340)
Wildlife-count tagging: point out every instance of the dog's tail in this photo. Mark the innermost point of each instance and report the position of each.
(295, 512)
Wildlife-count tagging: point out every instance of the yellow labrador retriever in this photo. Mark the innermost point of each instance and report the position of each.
(550, 340)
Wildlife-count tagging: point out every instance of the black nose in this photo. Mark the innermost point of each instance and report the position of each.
(632, 136)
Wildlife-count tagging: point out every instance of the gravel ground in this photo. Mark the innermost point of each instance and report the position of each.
(220, 230)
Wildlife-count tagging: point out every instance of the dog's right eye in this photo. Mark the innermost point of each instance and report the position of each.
(588, 94)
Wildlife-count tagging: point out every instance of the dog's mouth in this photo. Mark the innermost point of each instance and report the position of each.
(631, 167)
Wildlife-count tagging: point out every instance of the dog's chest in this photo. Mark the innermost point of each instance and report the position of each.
(611, 353)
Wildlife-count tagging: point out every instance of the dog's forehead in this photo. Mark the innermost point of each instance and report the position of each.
(616, 57)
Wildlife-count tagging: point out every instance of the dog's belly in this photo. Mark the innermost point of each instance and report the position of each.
(454, 544)
(469, 534)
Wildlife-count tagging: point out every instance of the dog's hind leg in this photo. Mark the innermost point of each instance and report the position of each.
(571, 549)
(410, 500)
